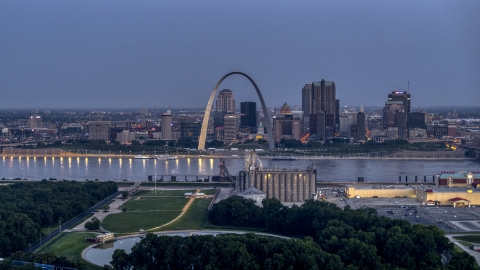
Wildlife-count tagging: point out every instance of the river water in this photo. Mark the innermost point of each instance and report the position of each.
(337, 170)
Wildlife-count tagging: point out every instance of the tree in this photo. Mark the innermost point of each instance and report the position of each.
(120, 259)
(106, 207)
(271, 211)
(124, 194)
(93, 224)
(462, 260)
(403, 244)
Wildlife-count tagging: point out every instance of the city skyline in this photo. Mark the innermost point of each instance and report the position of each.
(87, 54)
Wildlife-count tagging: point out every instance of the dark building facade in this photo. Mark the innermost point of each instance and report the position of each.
(402, 96)
(320, 97)
(416, 120)
(362, 126)
(190, 130)
(248, 117)
(440, 131)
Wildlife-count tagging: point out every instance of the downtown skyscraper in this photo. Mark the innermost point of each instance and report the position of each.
(320, 109)
(396, 111)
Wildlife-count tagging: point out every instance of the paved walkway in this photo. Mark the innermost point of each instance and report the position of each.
(115, 207)
(223, 193)
(475, 254)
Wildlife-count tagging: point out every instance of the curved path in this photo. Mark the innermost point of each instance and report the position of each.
(189, 233)
(474, 254)
(185, 208)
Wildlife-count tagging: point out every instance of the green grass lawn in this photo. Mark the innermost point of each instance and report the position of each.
(209, 191)
(88, 217)
(162, 193)
(469, 238)
(133, 221)
(46, 230)
(193, 218)
(155, 203)
(466, 244)
(187, 185)
(69, 245)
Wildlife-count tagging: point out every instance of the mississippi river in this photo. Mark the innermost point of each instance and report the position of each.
(337, 170)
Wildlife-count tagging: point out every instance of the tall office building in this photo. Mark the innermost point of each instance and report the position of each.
(362, 126)
(248, 117)
(396, 112)
(307, 105)
(225, 101)
(402, 96)
(337, 114)
(230, 128)
(167, 125)
(35, 121)
(320, 97)
(390, 113)
(286, 126)
(99, 130)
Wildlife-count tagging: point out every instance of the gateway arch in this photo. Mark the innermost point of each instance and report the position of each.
(206, 117)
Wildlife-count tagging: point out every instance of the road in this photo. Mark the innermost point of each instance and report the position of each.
(475, 255)
(69, 223)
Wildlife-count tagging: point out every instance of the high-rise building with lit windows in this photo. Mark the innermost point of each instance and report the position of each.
(225, 101)
(320, 97)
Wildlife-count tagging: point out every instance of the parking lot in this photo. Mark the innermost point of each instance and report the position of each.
(446, 218)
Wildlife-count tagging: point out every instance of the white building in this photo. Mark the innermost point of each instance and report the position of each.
(35, 121)
(125, 137)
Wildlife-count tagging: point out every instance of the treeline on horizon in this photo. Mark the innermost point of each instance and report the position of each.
(25, 208)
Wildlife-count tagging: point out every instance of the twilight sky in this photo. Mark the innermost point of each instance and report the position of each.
(114, 54)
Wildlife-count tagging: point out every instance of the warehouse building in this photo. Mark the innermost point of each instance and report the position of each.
(286, 185)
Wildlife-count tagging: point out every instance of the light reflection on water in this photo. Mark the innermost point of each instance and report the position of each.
(327, 169)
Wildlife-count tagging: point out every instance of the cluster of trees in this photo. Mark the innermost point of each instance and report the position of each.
(358, 238)
(224, 252)
(45, 258)
(25, 208)
(93, 224)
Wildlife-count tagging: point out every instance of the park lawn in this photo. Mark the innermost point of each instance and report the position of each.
(46, 230)
(466, 244)
(193, 219)
(155, 203)
(69, 245)
(129, 222)
(162, 193)
(475, 238)
(209, 191)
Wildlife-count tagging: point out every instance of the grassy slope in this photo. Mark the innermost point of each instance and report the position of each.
(194, 217)
(469, 238)
(69, 245)
(162, 193)
(155, 203)
(129, 222)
